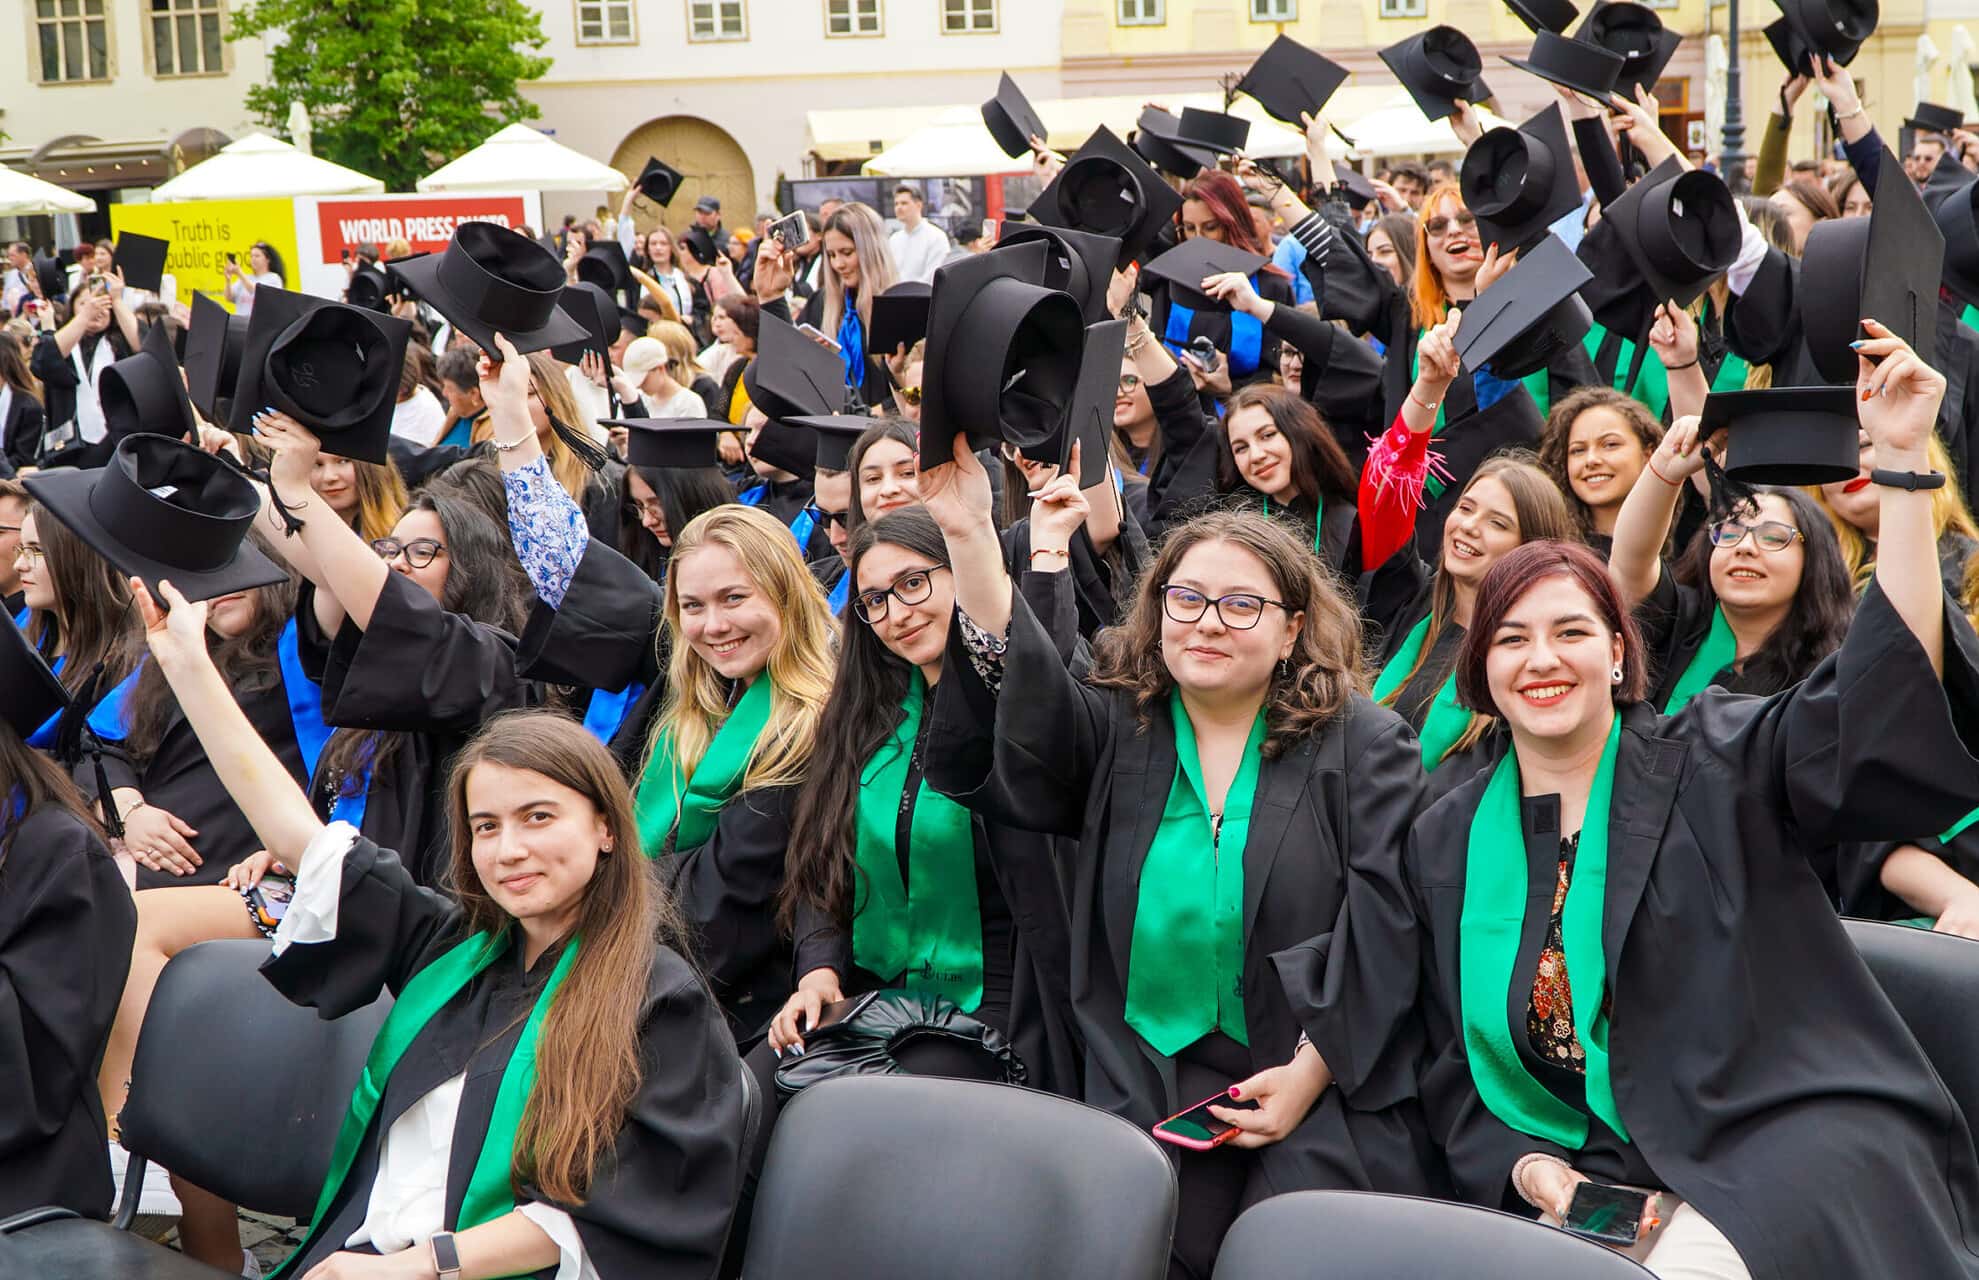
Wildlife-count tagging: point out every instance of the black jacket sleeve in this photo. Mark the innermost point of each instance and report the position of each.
(605, 633)
(1184, 476)
(1597, 156)
(418, 668)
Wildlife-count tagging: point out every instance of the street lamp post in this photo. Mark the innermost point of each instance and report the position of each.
(1732, 153)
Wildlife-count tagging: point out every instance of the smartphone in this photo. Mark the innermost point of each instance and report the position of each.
(816, 334)
(1610, 1215)
(1197, 1129)
(990, 228)
(232, 261)
(268, 901)
(791, 231)
(1201, 353)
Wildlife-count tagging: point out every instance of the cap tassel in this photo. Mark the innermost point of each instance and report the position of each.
(587, 452)
(292, 524)
(1724, 496)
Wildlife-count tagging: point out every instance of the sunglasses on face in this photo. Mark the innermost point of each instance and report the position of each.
(1435, 228)
(418, 553)
(839, 519)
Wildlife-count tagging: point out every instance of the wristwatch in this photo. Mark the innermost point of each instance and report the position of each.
(1911, 480)
(446, 1258)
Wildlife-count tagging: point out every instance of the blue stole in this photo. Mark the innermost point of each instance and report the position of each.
(754, 495)
(305, 700)
(608, 710)
(1246, 335)
(800, 528)
(852, 343)
(108, 719)
(350, 808)
(840, 593)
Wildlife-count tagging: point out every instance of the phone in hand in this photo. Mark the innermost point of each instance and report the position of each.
(1609, 1215)
(816, 334)
(268, 901)
(1197, 1129)
(232, 261)
(1201, 354)
(991, 228)
(791, 231)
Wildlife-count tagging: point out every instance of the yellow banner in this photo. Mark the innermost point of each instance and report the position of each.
(204, 232)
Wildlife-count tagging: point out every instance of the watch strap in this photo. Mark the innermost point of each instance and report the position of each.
(446, 1256)
(1911, 480)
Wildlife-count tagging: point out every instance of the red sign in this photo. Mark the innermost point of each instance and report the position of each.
(428, 222)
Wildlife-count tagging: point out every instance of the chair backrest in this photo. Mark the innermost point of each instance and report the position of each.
(1933, 980)
(238, 1090)
(752, 1107)
(1365, 1236)
(916, 1175)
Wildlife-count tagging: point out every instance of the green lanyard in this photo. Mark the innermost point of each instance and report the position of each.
(1318, 519)
(1652, 384)
(665, 806)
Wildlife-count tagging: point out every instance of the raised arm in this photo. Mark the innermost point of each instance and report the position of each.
(348, 571)
(1635, 560)
(1899, 398)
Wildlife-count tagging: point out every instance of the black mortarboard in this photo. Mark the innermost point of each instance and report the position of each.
(1786, 435)
(1358, 184)
(835, 434)
(214, 342)
(164, 509)
(492, 280)
(633, 323)
(1530, 313)
(53, 276)
(1108, 190)
(1638, 35)
(1437, 67)
(1158, 140)
(1080, 263)
(677, 443)
(900, 317)
(1184, 267)
(791, 374)
(1835, 28)
(369, 288)
(1289, 78)
(30, 694)
(595, 309)
(1543, 15)
(1958, 222)
(604, 265)
(1011, 119)
(144, 392)
(332, 367)
(658, 181)
(787, 447)
(1090, 420)
(142, 260)
(1680, 228)
(1572, 64)
(1518, 182)
(1014, 358)
(1886, 267)
(1929, 117)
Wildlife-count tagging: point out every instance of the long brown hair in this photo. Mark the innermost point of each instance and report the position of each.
(93, 620)
(40, 783)
(587, 1058)
(561, 405)
(1324, 669)
(381, 498)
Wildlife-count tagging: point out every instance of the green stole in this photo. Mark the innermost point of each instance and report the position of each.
(1318, 518)
(1495, 902)
(1537, 385)
(1652, 384)
(1447, 720)
(1969, 317)
(931, 930)
(1185, 971)
(490, 1191)
(665, 804)
(1959, 827)
(1719, 650)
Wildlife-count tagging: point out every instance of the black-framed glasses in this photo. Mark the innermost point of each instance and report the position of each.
(419, 552)
(1768, 535)
(1239, 611)
(909, 588)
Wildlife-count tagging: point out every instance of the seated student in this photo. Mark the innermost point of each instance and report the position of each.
(1223, 706)
(1107, 550)
(66, 925)
(1594, 445)
(1213, 208)
(1852, 508)
(779, 491)
(533, 1108)
(368, 497)
(1683, 1012)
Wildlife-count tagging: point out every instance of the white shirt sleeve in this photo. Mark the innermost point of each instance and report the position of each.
(319, 885)
(572, 1262)
(1751, 253)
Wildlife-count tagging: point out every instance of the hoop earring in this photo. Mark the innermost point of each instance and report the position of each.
(1615, 676)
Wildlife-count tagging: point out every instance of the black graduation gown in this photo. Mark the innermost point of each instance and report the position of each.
(20, 434)
(660, 1203)
(1058, 756)
(67, 925)
(1759, 1069)
(1339, 374)
(1216, 324)
(1101, 584)
(417, 670)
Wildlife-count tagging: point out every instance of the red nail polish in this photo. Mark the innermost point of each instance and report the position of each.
(1234, 1090)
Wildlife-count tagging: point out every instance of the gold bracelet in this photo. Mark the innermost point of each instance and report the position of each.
(1050, 551)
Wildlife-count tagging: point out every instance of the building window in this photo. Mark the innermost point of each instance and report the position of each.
(1404, 8)
(852, 17)
(605, 22)
(716, 20)
(185, 38)
(1140, 13)
(1274, 10)
(968, 17)
(74, 40)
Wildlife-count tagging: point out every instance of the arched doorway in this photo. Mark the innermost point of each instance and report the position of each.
(712, 162)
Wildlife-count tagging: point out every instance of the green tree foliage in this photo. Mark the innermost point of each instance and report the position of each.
(395, 88)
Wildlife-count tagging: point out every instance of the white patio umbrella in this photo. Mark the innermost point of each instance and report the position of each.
(261, 167)
(519, 158)
(1397, 128)
(22, 194)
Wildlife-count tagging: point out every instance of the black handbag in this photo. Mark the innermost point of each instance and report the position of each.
(866, 1038)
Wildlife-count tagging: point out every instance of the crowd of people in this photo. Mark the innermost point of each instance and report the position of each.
(654, 656)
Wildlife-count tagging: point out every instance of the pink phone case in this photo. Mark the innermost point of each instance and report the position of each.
(1197, 1144)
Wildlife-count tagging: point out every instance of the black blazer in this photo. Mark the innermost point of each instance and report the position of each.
(21, 432)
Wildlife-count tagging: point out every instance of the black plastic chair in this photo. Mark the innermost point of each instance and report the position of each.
(1363, 1236)
(233, 1088)
(1930, 978)
(920, 1176)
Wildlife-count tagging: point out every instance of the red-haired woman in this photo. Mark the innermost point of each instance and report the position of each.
(1214, 207)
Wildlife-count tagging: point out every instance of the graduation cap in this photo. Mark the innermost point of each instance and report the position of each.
(834, 435)
(676, 443)
(1437, 67)
(142, 260)
(604, 265)
(491, 279)
(1089, 422)
(214, 342)
(1955, 217)
(1518, 182)
(369, 288)
(332, 367)
(1638, 35)
(144, 392)
(1886, 266)
(1679, 227)
(1288, 78)
(1079, 262)
(1002, 356)
(162, 508)
(1572, 64)
(1806, 29)
(1528, 315)
(1929, 117)
(1358, 185)
(1786, 435)
(900, 316)
(1543, 15)
(1184, 267)
(1108, 190)
(30, 694)
(658, 181)
(597, 311)
(785, 446)
(1158, 140)
(53, 276)
(1011, 119)
(792, 375)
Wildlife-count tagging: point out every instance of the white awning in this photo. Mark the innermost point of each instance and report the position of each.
(519, 158)
(261, 167)
(23, 194)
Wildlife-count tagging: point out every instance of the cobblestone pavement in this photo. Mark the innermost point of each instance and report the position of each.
(271, 1239)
